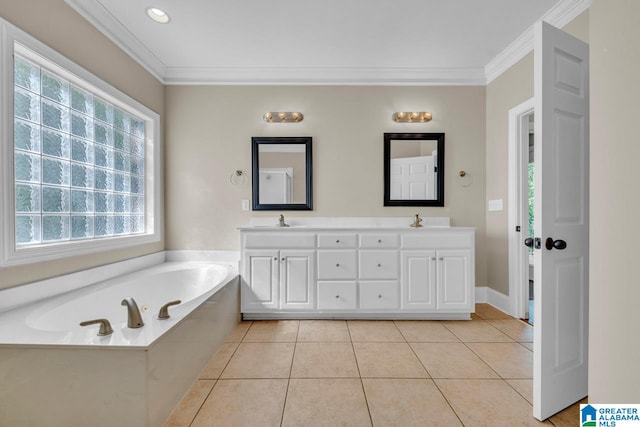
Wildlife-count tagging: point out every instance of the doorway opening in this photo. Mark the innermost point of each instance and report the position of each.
(521, 209)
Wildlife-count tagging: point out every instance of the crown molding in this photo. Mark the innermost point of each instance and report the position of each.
(559, 16)
(108, 25)
(327, 76)
(93, 11)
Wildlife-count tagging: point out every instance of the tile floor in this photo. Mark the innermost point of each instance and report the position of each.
(370, 373)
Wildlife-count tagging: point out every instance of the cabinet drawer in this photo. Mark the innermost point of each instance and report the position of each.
(336, 295)
(442, 240)
(336, 265)
(281, 240)
(378, 264)
(379, 240)
(379, 295)
(337, 241)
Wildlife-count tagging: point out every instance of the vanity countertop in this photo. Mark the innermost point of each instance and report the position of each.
(338, 223)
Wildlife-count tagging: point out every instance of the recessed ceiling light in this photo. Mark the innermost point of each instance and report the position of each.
(158, 15)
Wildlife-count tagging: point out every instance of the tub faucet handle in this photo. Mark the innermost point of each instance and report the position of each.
(105, 326)
(164, 310)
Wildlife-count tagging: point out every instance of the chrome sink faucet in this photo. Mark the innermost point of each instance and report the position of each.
(134, 318)
(417, 222)
(282, 223)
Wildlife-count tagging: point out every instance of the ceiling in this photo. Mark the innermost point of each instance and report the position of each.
(326, 42)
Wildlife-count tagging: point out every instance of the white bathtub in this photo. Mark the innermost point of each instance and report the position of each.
(54, 372)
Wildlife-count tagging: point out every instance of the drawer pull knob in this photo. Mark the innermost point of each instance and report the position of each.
(337, 296)
(441, 259)
(379, 240)
(338, 241)
(379, 265)
(379, 295)
(275, 258)
(283, 258)
(337, 265)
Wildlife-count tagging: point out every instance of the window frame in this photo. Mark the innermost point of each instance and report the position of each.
(12, 39)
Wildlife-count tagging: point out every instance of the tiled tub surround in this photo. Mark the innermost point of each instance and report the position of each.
(357, 268)
(133, 377)
(362, 373)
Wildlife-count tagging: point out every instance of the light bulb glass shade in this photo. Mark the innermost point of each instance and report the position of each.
(411, 117)
(158, 15)
(283, 117)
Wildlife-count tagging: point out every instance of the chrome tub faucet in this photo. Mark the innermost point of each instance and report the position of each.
(134, 318)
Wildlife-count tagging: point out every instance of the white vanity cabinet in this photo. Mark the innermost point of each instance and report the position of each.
(275, 278)
(316, 272)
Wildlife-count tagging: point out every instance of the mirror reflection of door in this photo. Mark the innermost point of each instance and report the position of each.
(413, 170)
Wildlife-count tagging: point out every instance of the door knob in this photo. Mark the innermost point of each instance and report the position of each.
(528, 242)
(557, 244)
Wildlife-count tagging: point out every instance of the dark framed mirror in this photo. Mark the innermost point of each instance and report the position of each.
(414, 169)
(281, 173)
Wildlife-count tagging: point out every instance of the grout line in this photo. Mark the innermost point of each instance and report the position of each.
(447, 400)
(293, 356)
(355, 356)
(203, 402)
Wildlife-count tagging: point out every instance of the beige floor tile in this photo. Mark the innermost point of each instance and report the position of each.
(323, 331)
(324, 360)
(524, 387)
(509, 360)
(491, 403)
(219, 360)
(187, 409)
(569, 417)
(425, 331)
(241, 403)
(516, 329)
(476, 331)
(452, 360)
(272, 331)
(487, 311)
(325, 402)
(407, 402)
(238, 333)
(388, 360)
(528, 345)
(260, 360)
(374, 331)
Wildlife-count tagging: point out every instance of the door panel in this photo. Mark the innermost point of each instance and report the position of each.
(418, 279)
(561, 212)
(453, 280)
(261, 288)
(297, 277)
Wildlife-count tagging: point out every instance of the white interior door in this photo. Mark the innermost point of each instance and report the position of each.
(413, 178)
(561, 215)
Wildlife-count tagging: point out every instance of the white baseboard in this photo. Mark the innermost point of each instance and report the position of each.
(491, 296)
(481, 293)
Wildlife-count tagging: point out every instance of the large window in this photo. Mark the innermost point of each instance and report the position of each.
(85, 169)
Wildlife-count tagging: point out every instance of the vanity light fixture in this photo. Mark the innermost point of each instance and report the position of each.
(283, 117)
(158, 15)
(412, 117)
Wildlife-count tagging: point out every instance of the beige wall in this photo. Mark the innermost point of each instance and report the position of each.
(57, 25)
(505, 92)
(614, 348)
(209, 132)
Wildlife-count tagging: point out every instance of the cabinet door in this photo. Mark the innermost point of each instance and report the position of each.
(297, 274)
(418, 280)
(454, 280)
(260, 284)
